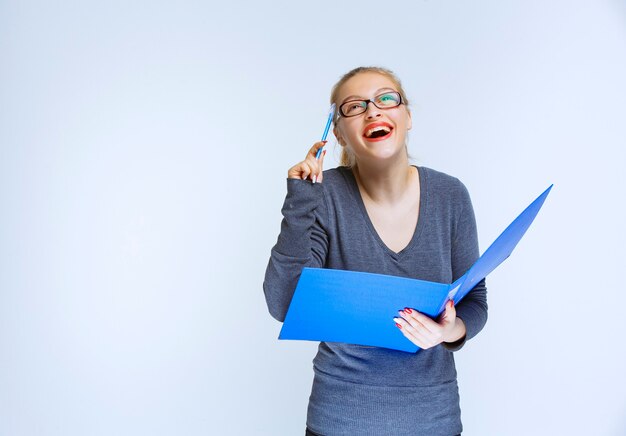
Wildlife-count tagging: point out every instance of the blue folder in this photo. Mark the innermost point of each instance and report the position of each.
(358, 308)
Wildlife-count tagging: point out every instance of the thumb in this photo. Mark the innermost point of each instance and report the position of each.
(450, 312)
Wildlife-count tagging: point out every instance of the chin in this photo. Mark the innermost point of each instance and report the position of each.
(385, 155)
(386, 150)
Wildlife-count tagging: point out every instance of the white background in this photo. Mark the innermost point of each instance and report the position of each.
(143, 154)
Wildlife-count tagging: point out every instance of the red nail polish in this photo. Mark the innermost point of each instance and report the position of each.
(398, 325)
(407, 310)
(324, 142)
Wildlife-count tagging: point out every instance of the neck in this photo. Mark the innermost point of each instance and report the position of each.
(385, 183)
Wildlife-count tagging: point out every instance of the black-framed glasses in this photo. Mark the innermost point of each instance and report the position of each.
(386, 100)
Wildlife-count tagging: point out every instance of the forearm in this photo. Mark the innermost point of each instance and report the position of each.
(473, 309)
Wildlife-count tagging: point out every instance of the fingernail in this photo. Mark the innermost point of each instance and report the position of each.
(398, 325)
(324, 142)
(324, 154)
(407, 310)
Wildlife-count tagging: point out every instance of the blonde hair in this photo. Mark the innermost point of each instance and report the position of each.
(347, 158)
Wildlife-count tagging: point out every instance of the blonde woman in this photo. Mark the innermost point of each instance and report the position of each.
(378, 213)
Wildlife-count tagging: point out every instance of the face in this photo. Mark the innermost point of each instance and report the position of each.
(358, 132)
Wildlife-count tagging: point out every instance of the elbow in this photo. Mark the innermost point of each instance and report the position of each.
(274, 307)
(278, 316)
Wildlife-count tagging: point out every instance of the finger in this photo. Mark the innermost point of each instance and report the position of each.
(412, 334)
(313, 151)
(321, 174)
(313, 165)
(312, 157)
(416, 318)
(320, 163)
(428, 323)
(295, 172)
(450, 312)
(419, 326)
(306, 170)
(448, 315)
(322, 152)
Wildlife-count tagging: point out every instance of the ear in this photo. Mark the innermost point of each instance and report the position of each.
(339, 137)
(409, 123)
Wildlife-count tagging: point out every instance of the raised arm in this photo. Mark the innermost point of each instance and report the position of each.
(303, 240)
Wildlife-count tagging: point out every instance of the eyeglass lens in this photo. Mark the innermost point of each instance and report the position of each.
(383, 101)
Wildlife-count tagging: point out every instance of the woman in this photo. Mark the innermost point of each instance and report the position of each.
(377, 213)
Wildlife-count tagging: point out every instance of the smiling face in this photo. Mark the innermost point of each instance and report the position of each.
(377, 134)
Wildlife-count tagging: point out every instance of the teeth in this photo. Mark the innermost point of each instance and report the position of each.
(384, 128)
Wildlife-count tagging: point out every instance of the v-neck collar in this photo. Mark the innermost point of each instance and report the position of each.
(421, 213)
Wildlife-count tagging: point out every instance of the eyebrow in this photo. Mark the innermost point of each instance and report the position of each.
(358, 97)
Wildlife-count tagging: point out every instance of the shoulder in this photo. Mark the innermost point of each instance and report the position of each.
(444, 188)
(444, 185)
(440, 180)
(333, 175)
(337, 180)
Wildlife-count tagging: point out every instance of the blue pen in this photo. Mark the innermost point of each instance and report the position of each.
(331, 114)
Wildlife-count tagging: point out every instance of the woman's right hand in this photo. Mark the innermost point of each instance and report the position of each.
(309, 166)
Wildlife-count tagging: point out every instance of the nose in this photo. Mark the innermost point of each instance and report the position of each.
(372, 111)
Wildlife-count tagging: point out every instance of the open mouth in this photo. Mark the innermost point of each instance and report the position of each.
(377, 132)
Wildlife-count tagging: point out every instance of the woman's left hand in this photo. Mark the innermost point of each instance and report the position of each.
(425, 332)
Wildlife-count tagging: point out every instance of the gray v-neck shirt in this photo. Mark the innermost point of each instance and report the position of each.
(372, 390)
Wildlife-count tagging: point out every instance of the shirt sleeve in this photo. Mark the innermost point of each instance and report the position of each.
(473, 308)
(302, 242)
